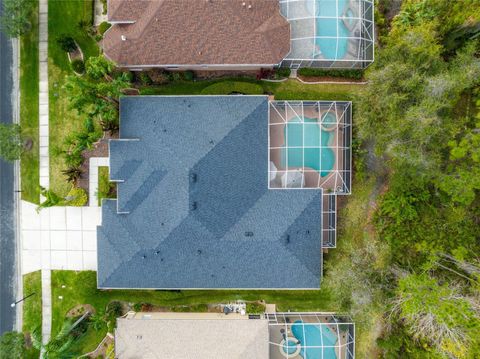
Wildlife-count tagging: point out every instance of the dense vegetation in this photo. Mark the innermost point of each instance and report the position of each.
(420, 115)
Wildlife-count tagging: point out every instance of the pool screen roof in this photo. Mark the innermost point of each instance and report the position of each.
(194, 209)
(337, 33)
(310, 145)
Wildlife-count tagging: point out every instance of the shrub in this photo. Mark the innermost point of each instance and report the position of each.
(77, 197)
(233, 87)
(175, 76)
(114, 309)
(160, 77)
(104, 26)
(67, 43)
(137, 307)
(188, 75)
(255, 308)
(347, 73)
(78, 66)
(145, 79)
(282, 72)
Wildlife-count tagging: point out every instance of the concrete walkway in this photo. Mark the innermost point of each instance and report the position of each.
(43, 100)
(44, 160)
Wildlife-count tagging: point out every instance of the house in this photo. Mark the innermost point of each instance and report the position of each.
(218, 336)
(239, 34)
(223, 192)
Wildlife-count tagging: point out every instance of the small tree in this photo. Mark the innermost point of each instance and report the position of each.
(66, 43)
(12, 345)
(14, 21)
(98, 67)
(11, 144)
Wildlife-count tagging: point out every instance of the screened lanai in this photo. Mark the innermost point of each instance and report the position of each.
(310, 145)
(311, 336)
(329, 33)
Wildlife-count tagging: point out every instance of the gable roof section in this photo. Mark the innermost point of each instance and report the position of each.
(196, 208)
(192, 338)
(194, 32)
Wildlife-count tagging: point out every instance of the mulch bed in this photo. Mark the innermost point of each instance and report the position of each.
(100, 149)
(79, 310)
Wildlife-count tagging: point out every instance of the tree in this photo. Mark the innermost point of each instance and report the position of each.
(67, 43)
(438, 314)
(58, 347)
(12, 346)
(11, 144)
(15, 19)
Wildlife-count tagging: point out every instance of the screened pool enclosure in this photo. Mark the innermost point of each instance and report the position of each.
(311, 336)
(310, 145)
(329, 33)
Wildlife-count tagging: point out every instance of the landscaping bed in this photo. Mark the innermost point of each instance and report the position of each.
(69, 18)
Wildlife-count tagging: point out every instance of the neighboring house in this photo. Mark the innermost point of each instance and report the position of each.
(218, 336)
(223, 192)
(239, 34)
(196, 34)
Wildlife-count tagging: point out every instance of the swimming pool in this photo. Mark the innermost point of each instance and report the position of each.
(331, 33)
(303, 141)
(315, 335)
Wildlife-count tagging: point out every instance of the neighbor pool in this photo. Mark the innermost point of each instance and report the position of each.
(331, 40)
(315, 335)
(303, 146)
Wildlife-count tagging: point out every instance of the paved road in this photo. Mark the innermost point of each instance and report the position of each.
(7, 228)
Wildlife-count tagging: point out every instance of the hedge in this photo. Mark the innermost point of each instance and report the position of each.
(347, 73)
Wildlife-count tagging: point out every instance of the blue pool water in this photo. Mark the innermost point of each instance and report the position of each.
(314, 334)
(336, 45)
(308, 134)
(289, 348)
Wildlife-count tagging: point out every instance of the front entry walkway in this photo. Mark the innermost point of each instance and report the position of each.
(59, 238)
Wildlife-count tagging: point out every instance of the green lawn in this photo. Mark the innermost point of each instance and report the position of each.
(29, 167)
(288, 90)
(32, 307)
(63, 18)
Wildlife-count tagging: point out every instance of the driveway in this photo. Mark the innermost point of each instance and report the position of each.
(59, 238)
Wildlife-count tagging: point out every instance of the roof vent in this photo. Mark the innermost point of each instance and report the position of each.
(194, 206)
(244, 4)
(124, 38)
(249, 6)
(248, 234)
(193, 177)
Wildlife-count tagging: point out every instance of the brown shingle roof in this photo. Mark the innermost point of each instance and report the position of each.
(189, 32)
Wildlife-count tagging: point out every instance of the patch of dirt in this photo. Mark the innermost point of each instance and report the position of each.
(79, 310)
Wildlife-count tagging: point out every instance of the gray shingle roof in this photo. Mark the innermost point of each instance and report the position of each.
(195, 208)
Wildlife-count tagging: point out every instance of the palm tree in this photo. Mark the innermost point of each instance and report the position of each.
(58, 347)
